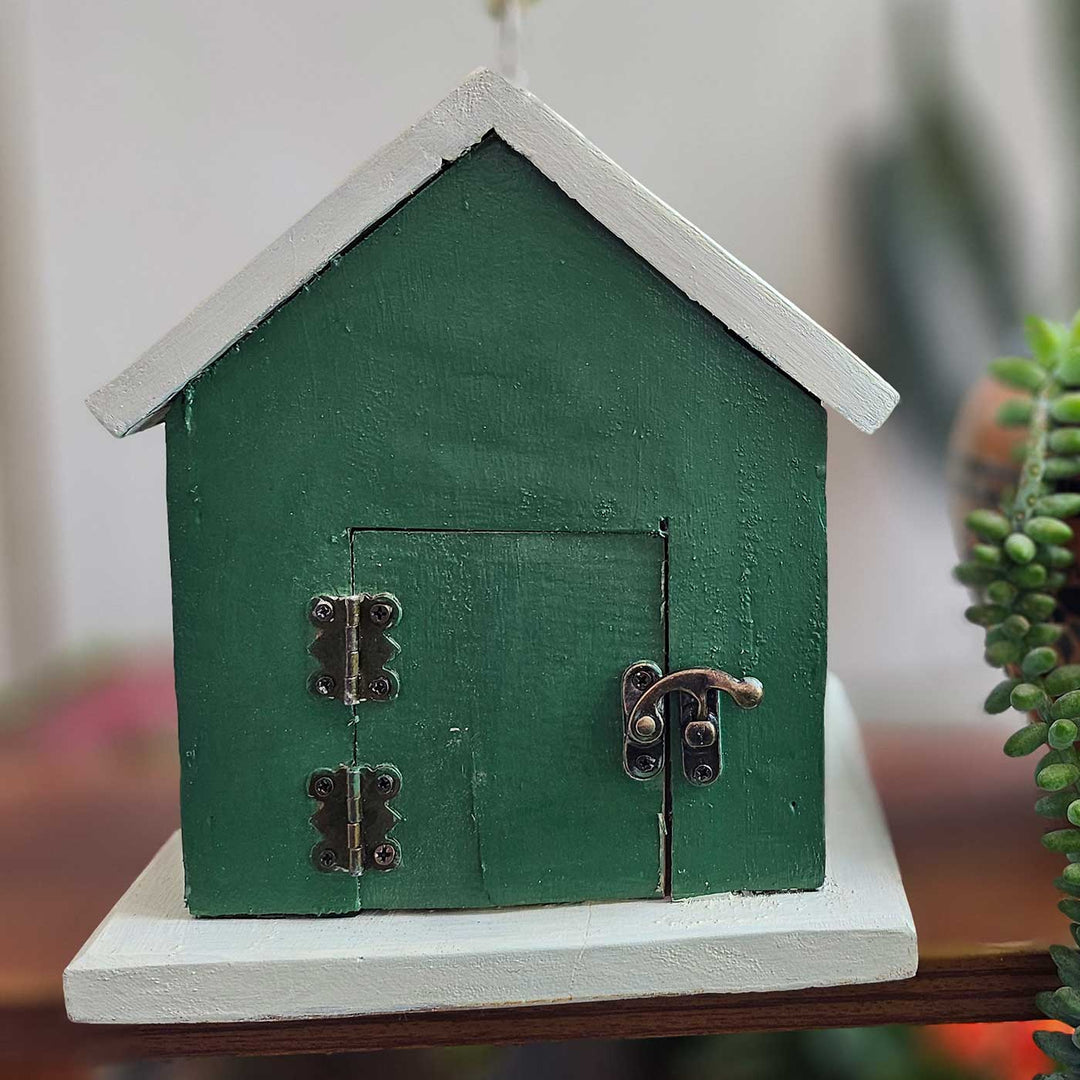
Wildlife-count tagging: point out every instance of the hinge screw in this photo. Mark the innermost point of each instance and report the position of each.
(385, 855)
(324, 685)
(380, 613)
(379, 687)
(642, 679)
(702, 774)
(327, 859)
(323, 787)
(646, 763)
(322, 610)
(384, 783)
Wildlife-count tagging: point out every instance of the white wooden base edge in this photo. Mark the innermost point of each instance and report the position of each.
(149, 962)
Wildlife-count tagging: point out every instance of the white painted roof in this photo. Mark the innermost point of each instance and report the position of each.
(486, 102)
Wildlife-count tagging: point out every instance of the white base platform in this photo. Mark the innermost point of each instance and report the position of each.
(151, 963)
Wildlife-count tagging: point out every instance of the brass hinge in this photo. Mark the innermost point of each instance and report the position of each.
(353, 648)
(354, 818)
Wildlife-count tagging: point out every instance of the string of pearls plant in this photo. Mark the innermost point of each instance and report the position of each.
(1018, 562)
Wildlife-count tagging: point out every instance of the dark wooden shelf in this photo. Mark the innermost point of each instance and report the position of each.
(988, 986)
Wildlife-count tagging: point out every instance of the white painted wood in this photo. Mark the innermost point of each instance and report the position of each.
(150, 963)
(486, 102)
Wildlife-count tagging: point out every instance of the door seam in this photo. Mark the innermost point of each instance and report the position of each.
(668, 750)
(353, 714)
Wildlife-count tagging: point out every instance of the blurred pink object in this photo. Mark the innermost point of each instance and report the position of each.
(128, 698)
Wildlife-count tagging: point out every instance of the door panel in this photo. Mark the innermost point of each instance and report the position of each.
(507, 728)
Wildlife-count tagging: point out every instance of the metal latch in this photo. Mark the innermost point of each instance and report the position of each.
(643, 692)
(353, 648)
(354, 818)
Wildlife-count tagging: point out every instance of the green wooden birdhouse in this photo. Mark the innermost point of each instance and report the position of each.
(496, 498)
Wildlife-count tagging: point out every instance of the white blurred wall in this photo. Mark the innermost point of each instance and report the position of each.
(171, 141)
(30, 615)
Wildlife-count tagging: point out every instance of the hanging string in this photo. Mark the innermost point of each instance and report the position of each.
(510, 16)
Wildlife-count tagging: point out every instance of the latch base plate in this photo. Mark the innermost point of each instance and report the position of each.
(644, 744)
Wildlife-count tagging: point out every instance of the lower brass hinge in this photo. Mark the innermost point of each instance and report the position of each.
(354, 818)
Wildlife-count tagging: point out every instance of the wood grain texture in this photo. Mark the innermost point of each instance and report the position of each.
(486, 103)
(507, 724)
(490, 358)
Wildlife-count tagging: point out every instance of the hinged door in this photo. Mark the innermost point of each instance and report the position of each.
(505, 726)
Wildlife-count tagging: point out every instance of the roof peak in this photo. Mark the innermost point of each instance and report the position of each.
(485, 102)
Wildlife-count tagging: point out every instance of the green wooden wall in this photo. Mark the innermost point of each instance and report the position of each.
(488, 358)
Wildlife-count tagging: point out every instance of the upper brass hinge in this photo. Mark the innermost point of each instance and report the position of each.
(354, 817)
(353, 648)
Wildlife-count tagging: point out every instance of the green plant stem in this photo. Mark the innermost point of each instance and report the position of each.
(1033, 471)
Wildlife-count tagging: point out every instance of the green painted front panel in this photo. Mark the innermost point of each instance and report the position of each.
(752, 601)
(506, 729)
(250, 731)
(490, 357)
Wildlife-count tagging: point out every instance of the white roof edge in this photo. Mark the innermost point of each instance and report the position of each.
(485, 102)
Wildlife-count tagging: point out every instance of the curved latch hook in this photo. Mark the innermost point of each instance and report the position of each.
(643, 692)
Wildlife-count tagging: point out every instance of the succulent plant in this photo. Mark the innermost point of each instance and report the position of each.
(1019, 559)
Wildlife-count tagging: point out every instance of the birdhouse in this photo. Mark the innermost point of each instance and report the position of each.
(496, 497)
